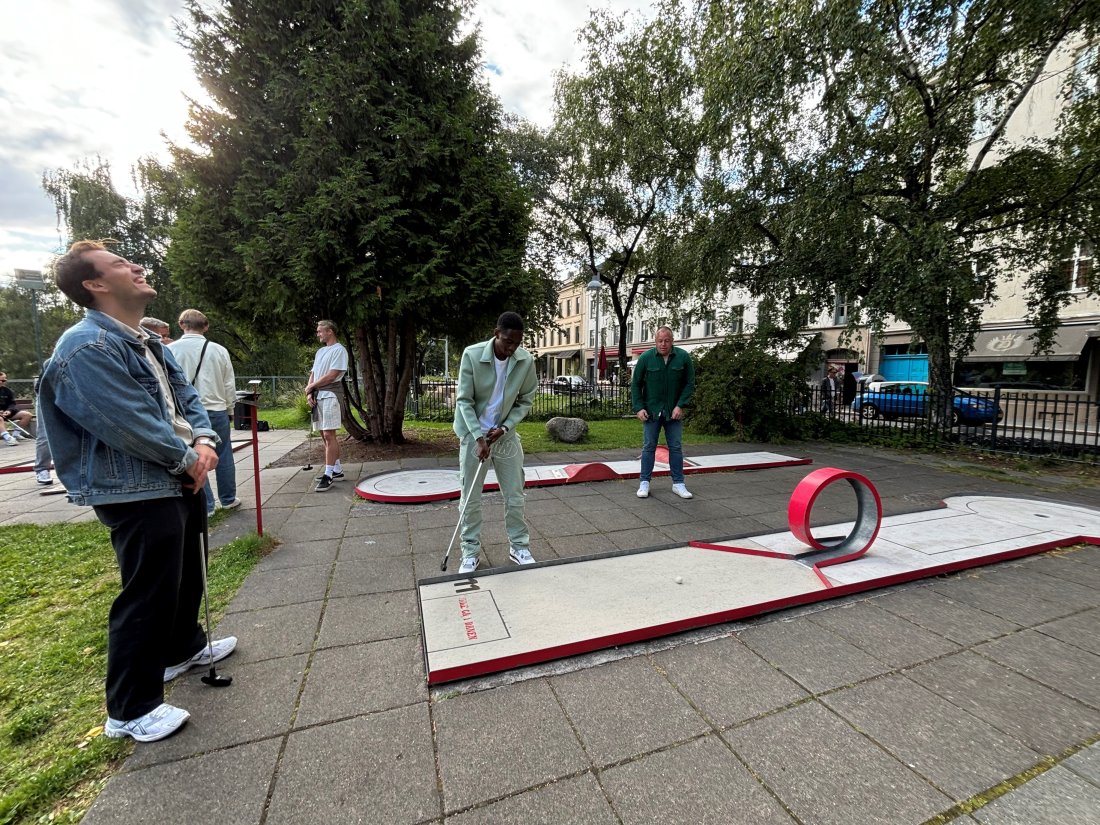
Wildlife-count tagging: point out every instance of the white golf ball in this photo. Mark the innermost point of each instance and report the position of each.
(679, 579)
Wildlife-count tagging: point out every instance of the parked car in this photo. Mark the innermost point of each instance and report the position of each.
(896, 399)
(570, 385)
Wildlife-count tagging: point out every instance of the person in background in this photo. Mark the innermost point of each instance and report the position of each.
(210, 370)
(158, 326)
(496, 388)
(324, 391)
(130, 438)
(42, 457)
(829, 388)
(661, 388)
(9, 411)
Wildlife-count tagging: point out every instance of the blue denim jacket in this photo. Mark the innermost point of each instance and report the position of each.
(106, 418)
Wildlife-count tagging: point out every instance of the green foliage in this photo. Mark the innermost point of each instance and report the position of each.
(864, 150)
(350, 168)
(744, 391)
(55, 314)
(57, 583)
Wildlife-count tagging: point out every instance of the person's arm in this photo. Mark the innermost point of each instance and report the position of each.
(326, 379)
(688, 390)
(229, 382)
(465, 413)
(93, 386)
(637, 386)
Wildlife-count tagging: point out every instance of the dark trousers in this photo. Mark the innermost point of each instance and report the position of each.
(153, 622)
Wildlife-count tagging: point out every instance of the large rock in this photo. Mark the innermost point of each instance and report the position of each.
(569, 430)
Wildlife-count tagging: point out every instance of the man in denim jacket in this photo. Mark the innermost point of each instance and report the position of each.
(129, 437)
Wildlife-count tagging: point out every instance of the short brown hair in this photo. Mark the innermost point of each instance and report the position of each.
(328, 325)
(192, 319)
(71, 270)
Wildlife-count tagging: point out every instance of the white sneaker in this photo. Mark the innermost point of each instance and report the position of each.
(643, 489)
(222, 648)
(19, 436)
(11, 442)
(469, 564)
(682, 491)
(233, 505)
(43, 477)
(161, 721)
(520, 555)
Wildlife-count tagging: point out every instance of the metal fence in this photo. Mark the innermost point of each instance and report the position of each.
(1060, 424)
(435, 401)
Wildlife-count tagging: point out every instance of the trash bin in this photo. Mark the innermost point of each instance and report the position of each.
(242, 409)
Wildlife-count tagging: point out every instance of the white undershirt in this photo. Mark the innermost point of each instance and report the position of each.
(491, 417)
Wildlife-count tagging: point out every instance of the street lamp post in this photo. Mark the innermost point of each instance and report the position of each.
(32, 279)
(594, 288)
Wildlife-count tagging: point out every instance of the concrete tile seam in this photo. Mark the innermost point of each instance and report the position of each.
(364, 715)
(125, 768)
(768, 789)
(1031, 678)
(979, 800)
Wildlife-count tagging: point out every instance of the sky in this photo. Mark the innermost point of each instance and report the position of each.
(81, 79)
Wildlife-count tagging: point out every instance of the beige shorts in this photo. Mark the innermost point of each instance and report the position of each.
(326, 415)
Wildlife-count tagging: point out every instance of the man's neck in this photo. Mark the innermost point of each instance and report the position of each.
(130, 316)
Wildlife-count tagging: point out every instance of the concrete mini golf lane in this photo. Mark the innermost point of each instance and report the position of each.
(510, 617)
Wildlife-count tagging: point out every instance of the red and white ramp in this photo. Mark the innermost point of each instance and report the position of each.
(510, 617)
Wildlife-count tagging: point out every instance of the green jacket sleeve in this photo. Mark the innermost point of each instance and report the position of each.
(689, 383)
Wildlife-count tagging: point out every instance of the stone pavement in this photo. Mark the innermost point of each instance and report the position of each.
(972, 697)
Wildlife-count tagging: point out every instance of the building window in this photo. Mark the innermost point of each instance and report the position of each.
(1084, 73)
(591, 337)
(685, 327)
(710, 328)
(1077, 267)
(615, 335)
(840, 310)
(577, 333)
(645, 332)
(630, 331)
(737, 319)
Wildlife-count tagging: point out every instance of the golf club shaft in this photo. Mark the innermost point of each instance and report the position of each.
(204, 541)
(482, 468)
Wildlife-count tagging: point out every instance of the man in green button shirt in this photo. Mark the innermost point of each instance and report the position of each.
(662, 386)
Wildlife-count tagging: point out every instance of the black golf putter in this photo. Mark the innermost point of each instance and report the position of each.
(212, 678)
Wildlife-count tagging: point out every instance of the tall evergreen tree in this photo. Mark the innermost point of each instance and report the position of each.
(349, 168)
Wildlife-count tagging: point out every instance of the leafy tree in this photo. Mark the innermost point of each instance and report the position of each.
(606, 175)
(350, 168)
(55, 314)
(864, 149)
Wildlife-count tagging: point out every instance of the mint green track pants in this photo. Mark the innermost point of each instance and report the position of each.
(506, 461)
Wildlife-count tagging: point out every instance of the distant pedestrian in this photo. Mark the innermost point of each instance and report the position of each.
(829, 389)
(208, 367)
(661, 388)
(158, 326)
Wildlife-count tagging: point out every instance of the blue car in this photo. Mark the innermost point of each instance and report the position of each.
(899, 399)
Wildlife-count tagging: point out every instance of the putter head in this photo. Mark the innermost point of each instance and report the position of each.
(214, 680)
(443, 566)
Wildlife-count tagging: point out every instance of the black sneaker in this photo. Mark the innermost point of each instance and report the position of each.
(323, 484)
(337, 476)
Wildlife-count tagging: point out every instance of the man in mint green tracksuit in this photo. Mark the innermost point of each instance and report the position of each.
(496, 387)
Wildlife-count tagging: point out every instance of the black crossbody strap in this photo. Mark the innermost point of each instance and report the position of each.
(198, 366)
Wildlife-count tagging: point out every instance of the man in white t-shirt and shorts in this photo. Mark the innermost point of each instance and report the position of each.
(324, 391)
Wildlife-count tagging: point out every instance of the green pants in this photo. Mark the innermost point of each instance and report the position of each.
(506, 461)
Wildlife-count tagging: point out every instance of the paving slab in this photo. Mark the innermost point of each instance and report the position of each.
(828, 774)
(385, 675)
(575, 800)
(943, 615)
(1057, 797)
(1039, 717)
(1066, 669)
(1086, 764)
(624, 709)
(699, 782)
(815, 658)
(1080, 630)
(358, 619)
(1066, 567)
(288, 585)
(362, 522)
(887, 637)
(355, 578)
(957, 752)
(727, 681)
(272, 632)
(192, 790)
(299, 554)
(375, 768)
(1008, 599)
(496, 742)
(259, 704)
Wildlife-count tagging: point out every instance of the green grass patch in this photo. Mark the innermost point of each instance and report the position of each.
(602, 435)
(57, 583)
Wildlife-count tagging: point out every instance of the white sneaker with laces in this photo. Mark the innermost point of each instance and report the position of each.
(520, 555)
(11, 442)
(161, 721)
(43, 477)
(233, 505)
(469, 564)
(643, 489)
(222, 648)
(682, 491)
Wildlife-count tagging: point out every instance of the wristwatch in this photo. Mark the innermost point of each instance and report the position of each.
(206, 442)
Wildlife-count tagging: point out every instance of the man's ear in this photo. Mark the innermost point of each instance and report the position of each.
(94, 285)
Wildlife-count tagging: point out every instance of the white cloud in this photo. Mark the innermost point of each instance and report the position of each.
(81, 78)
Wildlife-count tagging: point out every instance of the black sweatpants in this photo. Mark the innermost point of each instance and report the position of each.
(153, 622)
